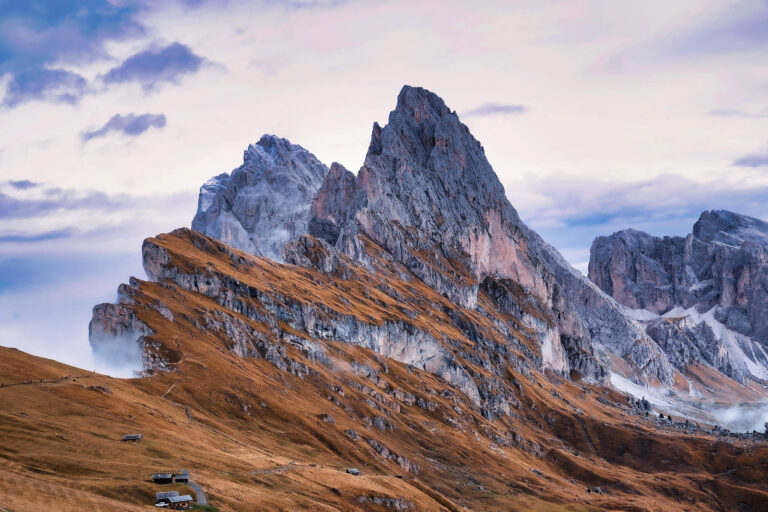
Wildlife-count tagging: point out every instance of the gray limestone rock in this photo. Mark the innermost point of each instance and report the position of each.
(331, 204)
(721, 267)
(265, 202)
(428, 195)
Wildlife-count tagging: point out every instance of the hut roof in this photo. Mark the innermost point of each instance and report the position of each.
(166, 494)
(180, 499)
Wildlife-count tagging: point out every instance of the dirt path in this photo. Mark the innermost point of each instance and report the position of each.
(199, 494)
(44, 381)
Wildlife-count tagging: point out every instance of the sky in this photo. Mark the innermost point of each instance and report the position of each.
(596, 115)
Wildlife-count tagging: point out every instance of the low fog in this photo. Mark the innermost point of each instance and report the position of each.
(742, 417)
(47, 314)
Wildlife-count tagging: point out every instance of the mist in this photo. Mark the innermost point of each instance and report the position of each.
(46, 305)
(742, 417)
(118, 356)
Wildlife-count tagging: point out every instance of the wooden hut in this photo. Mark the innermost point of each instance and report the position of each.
(180, 502)
(162, 478)
(132, 438)
(165, 497)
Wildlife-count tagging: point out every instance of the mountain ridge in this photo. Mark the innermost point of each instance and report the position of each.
(712, 278)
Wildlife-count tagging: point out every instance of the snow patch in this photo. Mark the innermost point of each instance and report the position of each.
(744, 417)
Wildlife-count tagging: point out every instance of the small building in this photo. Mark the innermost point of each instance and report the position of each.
(131, 438)
(162, 478)
(165, 497)
(180, 502)
(182, 476)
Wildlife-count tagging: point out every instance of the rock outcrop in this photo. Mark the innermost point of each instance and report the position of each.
(265, 202)
(716, 277)
(331, 204)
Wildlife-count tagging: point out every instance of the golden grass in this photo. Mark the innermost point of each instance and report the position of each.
(252, 435)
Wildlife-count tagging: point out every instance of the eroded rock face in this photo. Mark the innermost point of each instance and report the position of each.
(428, 196)
(332, 204)
(265, 202)
(721, 269)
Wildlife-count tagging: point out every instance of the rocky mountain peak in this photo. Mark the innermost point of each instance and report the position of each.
(428, 194)
(712, 277)
(730, 228)
(264, 203)
(426, 205)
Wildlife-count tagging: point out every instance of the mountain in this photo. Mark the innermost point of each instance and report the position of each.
(264, 203)
(429, 199)
(251, 389)
(403, 322)
(703, 297)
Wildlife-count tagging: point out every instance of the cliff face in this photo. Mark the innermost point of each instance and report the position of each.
(715, 276)
(265, 202)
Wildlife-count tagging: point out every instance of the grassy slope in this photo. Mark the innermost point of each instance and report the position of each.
(239, 424)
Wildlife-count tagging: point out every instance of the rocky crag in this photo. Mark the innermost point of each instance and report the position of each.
(429, 198)
(264, 203)
(702, 297)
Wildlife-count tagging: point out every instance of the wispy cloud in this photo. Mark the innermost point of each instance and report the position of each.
(127, 124)
(23, 184)
(492, 109)
(729, 112)
(21, 237)
(55, 200)
(743, 29)
(755, 160)
(572, 201)
(156, 65)
(569, 211)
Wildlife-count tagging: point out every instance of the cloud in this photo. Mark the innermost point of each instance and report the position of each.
(56, 200)
(491, 109)
(50, 218)
(53, 85)
(744, 29)
(128, 124)
(569, 212)
(738, 113)
(22, 184)
(20, 237)
(752, 161)
(156, 65)
(38, 37)
(585, 202)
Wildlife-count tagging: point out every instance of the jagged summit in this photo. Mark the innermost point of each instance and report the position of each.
(428, 197)
(713, 278)
(264, 203)
(730, 228)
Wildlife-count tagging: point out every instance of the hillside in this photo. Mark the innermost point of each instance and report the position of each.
(258, 436)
